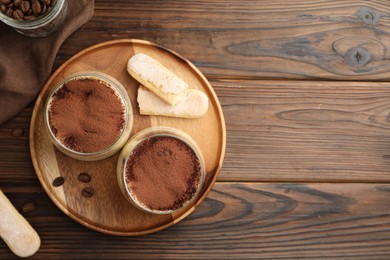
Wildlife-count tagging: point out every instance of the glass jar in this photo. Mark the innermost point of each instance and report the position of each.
(120, 92)
(130, 152)
(42, 25)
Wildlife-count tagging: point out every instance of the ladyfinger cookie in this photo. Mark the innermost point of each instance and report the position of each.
(17, 233)
(191, 103)
(158, 79)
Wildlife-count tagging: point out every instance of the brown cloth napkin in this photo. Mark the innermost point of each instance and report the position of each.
(26, 63)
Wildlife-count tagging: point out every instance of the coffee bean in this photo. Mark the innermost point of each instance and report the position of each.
(17, 132)
(24, 6)
(84, 177)
(45, 2)
(30, 17)
(44, 9)
(25, 9)
(17, 2)
(58, 181)
(17, 14)
(8, 12)
(28, 207)
(87, 192)
(36, 7)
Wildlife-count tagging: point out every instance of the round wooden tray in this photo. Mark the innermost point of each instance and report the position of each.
(107, 210)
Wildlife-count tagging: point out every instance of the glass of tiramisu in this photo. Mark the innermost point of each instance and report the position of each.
(160, 170)
(89, 116)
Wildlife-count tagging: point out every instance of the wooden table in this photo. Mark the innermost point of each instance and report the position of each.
(303, 86)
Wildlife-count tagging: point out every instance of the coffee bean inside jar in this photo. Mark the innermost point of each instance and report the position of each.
(25, 9)
(34, 18)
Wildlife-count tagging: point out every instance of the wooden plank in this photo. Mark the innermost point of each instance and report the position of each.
(15, 161)
(297, 39)
(276, 131)
(306, 131)
(236, 221)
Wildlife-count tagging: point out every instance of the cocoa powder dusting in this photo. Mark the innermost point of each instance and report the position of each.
(86, 115)
(163, 173)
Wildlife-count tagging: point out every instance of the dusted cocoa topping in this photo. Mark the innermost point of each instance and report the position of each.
(163, 173)
(86, 115)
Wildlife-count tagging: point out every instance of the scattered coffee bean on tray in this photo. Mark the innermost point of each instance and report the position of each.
(84, 177)
(87, 192)
(58, 181)
(25, 9)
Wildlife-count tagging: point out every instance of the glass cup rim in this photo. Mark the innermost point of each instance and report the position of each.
(100, 76)
(170, 132)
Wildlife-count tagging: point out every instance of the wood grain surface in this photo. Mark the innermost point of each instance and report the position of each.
(306, 172)
(236, 221)
(301, 39)
(306, 131)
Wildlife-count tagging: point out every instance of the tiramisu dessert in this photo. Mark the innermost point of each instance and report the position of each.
(160, 172)
(88, 116)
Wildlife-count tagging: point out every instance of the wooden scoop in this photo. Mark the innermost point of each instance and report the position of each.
(21, 238)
